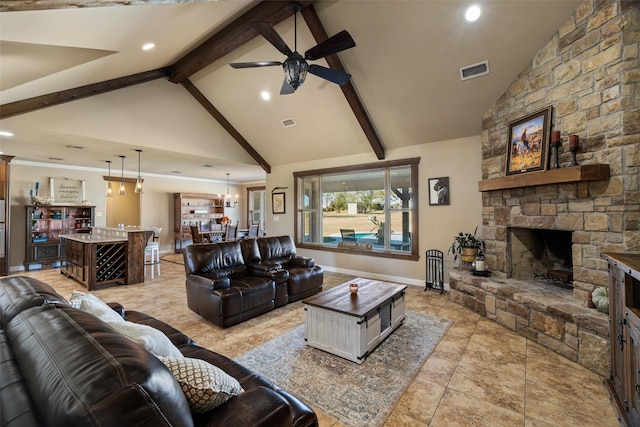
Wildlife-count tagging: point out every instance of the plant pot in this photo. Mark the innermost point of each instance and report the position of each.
(468, 254)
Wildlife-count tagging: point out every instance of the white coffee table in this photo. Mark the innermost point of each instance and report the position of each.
(351, 326)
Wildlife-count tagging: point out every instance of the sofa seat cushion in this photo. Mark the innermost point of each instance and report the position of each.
(246, 293)
(18, 293)
(81, 372)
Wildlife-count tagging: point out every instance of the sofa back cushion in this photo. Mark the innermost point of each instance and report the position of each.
(250, 250)
(215, 260)
(18, 293)
(278, 248)
(80, 372)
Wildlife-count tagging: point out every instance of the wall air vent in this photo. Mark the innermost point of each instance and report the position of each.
(474, 70)
(288, 123)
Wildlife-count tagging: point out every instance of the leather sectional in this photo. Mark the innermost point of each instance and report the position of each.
(230, 282)
(62, 366)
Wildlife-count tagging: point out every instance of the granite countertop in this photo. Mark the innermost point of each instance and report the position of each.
(91, 238)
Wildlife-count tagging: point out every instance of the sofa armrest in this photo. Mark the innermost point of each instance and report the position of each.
(269, 269)
(212, 283)
(117, 307)
(303, 261)
(256, 407)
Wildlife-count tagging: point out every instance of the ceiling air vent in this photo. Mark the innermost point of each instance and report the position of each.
(474, 70)
(288, 123)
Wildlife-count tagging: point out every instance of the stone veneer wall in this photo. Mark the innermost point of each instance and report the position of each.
(589, 74)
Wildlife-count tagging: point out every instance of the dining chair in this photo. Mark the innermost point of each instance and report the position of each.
(196, 236)
(232, 233)
(254, 230)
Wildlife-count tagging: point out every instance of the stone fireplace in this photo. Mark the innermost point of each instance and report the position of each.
(588, 73)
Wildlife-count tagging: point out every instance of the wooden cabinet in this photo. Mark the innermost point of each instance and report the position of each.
(194, 209)
(96, 265)
(5, 208)
(624, 313)
(46, 223)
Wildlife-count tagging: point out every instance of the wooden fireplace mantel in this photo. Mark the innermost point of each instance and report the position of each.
(580, 173)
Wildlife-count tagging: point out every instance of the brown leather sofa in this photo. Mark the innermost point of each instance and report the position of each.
(230, 282)
(65, 367)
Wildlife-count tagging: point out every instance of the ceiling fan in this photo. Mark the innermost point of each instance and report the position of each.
(296, 66)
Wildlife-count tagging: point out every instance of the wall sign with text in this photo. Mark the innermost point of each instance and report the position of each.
(67, 191)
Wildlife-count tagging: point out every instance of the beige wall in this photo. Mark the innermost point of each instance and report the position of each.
(156, 202)
(458, 159)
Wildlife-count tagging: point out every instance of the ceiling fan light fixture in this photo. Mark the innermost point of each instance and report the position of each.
(295, 70)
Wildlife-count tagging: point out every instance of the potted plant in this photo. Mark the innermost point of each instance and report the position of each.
(468, 246)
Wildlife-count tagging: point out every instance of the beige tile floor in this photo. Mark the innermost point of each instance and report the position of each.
(480, 374)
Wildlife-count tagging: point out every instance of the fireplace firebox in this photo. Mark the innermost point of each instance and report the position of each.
(541, 255)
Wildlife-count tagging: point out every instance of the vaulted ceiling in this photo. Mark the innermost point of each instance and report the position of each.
(77, 89)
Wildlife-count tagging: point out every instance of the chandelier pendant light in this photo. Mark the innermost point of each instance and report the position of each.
(139, 180)
(109, 187)
(228, 203)
(122, 191)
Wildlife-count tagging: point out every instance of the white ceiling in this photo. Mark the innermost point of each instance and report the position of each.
(405, 69)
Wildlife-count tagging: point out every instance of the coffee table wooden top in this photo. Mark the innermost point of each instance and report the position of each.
(371, 295)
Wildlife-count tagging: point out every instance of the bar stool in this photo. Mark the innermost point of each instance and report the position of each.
(152, 252)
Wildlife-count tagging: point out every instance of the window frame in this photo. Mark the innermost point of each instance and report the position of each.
(413, 163)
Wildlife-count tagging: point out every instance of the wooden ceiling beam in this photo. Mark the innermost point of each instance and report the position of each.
(211, 109)
(32, 104)
(232, 37)
(317, 30)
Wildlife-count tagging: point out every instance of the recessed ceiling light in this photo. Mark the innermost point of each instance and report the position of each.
(473, 13)
(76, 147)
(207, 166)
(148, 46)
(6, 133)
(265, 95)
(176, 172)
(55, 158)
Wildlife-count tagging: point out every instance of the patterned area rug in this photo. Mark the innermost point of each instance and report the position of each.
(355, 395)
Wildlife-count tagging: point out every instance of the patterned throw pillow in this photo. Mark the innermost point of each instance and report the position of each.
(204, 385)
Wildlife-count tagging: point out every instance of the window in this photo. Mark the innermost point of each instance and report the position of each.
(368, 209)
(257, 202)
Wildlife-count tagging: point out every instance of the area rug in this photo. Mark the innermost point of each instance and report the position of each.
(355, 395)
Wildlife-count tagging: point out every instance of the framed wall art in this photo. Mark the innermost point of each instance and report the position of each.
(529, 143)
(65, 191)
(278, 203)
(439, 191)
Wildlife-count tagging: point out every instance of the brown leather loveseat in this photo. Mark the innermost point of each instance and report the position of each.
(230, 282)
(65, 367)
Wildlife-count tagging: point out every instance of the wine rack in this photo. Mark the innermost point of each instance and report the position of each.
(110, 262)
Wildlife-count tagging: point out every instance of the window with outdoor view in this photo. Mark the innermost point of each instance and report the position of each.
(369, 209)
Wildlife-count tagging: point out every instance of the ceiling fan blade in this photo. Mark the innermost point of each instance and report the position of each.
(337, 77)
(269, 33)
(333, 44)
(286, 89)
(255, 64)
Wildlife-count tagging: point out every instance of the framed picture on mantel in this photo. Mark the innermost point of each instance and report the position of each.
(529, 143)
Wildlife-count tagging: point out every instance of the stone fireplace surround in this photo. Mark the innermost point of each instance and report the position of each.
(588, 73)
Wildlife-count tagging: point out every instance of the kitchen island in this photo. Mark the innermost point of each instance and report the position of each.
(106, 256)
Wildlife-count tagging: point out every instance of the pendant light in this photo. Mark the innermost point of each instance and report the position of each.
(123, 189)
(228, 203)
(109, 187)
(139, 180)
